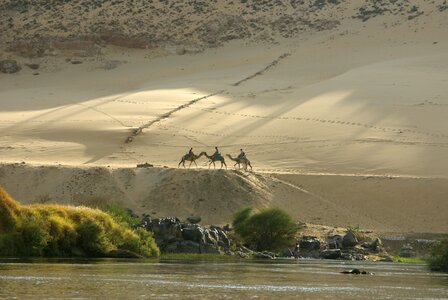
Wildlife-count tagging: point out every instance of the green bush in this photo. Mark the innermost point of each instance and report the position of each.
(269, 229)
(92, 238)
(439, 258)
(121, 214)
(55, 230)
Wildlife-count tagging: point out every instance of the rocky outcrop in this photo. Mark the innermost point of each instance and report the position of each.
(349, 239)
(374, 246)
(331, 254)
(339, 247)
(9, 66)
(174, 236)
(308, 243)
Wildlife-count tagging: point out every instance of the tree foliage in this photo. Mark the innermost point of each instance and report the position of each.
(439, 258)
(269, 229)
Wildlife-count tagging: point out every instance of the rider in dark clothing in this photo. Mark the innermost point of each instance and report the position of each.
(216, 154)
(242, 155)
(190, 152)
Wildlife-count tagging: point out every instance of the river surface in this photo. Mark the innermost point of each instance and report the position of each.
(303, 279)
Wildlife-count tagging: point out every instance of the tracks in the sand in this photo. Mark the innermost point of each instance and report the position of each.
(135, 132)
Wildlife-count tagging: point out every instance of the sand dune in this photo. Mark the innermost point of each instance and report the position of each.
(368, 97)
(388, 204)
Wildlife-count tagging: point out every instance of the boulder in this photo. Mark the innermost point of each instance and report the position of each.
(331, 254)
(188, 247)
(192, 232)
(194, 219)
(357, 272)
(373, 246)
(335, 242)
(210, 237)
(9, 66)
(309, 243)
(349, 239)
(168, 228)
(353, 256)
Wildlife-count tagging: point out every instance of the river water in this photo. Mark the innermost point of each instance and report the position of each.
(303, 279)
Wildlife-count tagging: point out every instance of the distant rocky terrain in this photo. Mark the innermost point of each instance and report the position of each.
(45, 27)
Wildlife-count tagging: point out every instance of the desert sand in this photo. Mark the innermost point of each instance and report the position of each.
(346, 126)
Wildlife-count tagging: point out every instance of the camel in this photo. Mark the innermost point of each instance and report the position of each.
(191, 158)
(240, 161)
(213, 159)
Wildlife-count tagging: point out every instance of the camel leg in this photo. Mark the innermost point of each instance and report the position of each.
(183, 162)
(190, 164)
(195, 163)
(235, 165)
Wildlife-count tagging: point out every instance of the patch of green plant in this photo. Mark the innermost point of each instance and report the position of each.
(121, 214)
(52, 230)
(439, 256)
(270, 229)
(408, 260)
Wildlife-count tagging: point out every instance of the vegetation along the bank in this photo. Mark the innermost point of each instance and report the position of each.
(269, 229)
(62, 231)
(439, 259)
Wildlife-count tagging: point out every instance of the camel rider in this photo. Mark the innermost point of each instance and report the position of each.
(190, 153)
(217, 155)
(242, 155)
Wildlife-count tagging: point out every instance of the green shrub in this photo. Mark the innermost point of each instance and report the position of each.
(8, 211)
(92, 238)
(269, 229)
(121, 214)
(34, 235)
(55, 230)
(439, 258)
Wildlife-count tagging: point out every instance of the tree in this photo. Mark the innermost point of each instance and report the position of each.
(439, 258)
(269, 229)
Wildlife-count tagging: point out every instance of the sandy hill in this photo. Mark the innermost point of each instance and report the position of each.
(312, 90)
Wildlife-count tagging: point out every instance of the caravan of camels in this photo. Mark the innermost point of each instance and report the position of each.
(241, 159)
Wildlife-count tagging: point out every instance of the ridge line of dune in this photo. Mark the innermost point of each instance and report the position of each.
(166, 115)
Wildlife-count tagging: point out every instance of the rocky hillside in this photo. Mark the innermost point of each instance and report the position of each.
(40, 27)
